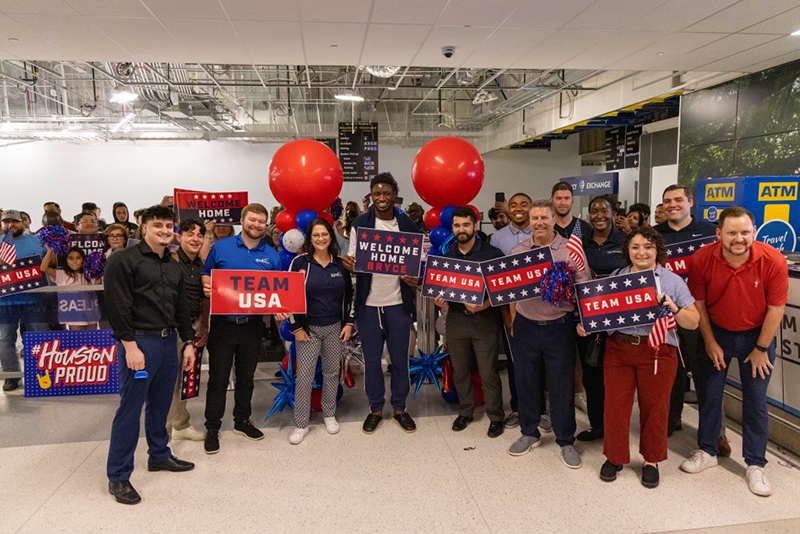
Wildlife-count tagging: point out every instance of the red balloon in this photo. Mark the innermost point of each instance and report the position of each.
(432, 218)
(316, 400)
(477, 212)
(349, 380)
(305, 174)
(327, 216)
(285, 220)
(447, 171)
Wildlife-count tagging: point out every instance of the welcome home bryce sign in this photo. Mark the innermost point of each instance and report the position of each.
(387, 252)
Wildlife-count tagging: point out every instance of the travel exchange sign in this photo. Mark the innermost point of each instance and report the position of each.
(222, 208)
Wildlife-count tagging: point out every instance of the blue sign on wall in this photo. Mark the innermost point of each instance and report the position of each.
(779, 234)
(604, 183)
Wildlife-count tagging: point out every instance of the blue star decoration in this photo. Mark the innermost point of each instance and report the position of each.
(285, 396)
(427, 368)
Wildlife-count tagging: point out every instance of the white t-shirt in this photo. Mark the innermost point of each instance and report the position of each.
(385, 289)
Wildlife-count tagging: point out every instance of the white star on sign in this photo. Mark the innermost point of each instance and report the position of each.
(524, 292)
(30, 285)
(445, 265)
(490, 268)
(528, 259)
(500, 298)
(230, 196)
(541, 255)
(478, 270)
(607, 322)
(430, 291)
(651, 315)
(474, 298)
(434, 263)
(463, 296)
(669, 252)
(468, 268)
(642, 280)
(515, 262)
(213, 196)
(592, 325)
(511, 295)
(627, 282)
(599, 287)
(457, 266)
(196, 197)
(452, 294)
(21, 286)
(680, 250)
(4, 291)
(536, 290)
(441, 292)
(691, 248)
(621, 319)
(502, 265)
(586, 290)
(205, 197)
(613, 285)
(635, 318)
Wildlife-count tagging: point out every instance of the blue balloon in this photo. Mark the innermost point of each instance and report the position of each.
(439, 235)
(286, 332)
(446, 217)
(293, 350)
(286, 258)
(451, 239)
(304, 218)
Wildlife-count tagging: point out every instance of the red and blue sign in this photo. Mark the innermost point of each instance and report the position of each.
(240, 292)
(24, 275)
(454, 280)
(388, 252)
(222, 208)
(618, 301)
(88, 243)
(679, 255)
(516, 277)
(61, 363)
(190, 380)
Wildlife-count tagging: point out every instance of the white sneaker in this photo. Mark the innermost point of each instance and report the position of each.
(189, 433)
(331, 425)
(699, 461)
(580, 402)
(757, 481)
(298, 435)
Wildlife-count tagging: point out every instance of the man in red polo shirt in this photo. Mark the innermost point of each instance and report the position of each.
(741, 288)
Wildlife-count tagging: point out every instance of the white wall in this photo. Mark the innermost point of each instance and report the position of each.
(139, 174)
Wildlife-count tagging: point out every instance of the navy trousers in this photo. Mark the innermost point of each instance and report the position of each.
(376, 326)
(754, 396)
(161, 364)
(548, 349)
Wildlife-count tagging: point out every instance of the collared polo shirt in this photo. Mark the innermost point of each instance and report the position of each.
(509, 237)
(694, 230)
(479, 252)
(325, 289)
(232, 253)
(606, 258)
(737, 298)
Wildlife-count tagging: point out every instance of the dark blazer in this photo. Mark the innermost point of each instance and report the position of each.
(364, 280)
(299, 320)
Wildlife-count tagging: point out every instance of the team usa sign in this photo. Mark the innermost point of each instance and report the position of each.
(24, 275)
(618, 301)
(454, 280)
(679, 255)
(257, 292)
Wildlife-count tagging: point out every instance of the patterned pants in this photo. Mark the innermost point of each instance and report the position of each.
(323, 341)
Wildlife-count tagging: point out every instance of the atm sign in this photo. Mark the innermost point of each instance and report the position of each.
(720, 192)
(772, 191)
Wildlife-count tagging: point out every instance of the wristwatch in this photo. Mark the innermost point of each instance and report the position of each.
(761, 348)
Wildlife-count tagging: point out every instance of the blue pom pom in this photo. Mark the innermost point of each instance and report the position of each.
(56, 238)
(557, 285)
(94, 265)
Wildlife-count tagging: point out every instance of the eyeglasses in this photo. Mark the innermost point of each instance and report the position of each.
(320, 236)
(116, 236)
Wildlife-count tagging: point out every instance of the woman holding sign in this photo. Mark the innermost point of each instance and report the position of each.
(326, 326)
(632, 366)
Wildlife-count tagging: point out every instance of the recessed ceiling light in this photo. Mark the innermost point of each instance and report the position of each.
(13, 40)
(349, 96)
(333, 46)
(659, 53)
(123, 96)
(796, 33)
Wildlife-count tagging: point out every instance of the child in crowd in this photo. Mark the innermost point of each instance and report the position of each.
(70, 275)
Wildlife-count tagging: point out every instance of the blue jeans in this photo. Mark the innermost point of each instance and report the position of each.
(161, 364)
(32, 316)
(754, 396)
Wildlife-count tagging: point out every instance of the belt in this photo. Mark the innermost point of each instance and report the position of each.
(242, 320)
(627, 338)
(566, 318)
(154, 333)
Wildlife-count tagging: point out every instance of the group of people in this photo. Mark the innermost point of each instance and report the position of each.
(160, 316)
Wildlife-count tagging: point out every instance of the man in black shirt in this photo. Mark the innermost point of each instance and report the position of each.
(145, 287)
(562, 198)
(191, 235)
(472, 328)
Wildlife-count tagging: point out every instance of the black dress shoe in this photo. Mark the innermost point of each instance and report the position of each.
(371, 423)
(608, 473)
(405, 422)
(123, 492)
(650, 476)
(10, 384)
(590, 435)
(673, 425)
(211, 444)
(495, 429)
(461, 423)
(170, 464)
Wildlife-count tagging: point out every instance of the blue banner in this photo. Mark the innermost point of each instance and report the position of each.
(81, 307)
(79, 362)
(604, 183)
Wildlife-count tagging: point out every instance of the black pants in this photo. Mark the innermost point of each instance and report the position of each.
(592, 383)
(512, 382)
(230, 343)
(689, 346)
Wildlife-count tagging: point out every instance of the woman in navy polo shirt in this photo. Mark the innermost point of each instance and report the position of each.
(327, 324)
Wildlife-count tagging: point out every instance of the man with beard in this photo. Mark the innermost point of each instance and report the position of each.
(562, 198)
(472, 328)
(28, 310)
(741, 287)
(236, 338)
(145, 287)
(385, 308)
(190, 256)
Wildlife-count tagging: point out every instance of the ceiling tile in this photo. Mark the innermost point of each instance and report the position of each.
(393, 44)
(407, 11)
(471, 13)
(335, 11)
(270, 42)
(262, 9)
(209, 41)
(508, 45)
(670, 48)
(186, 9)
(774, 62)
(145, 38)
(109, 8)
(546, 13)
(30, 45)
(743, 14)
(561, 46)
(319, 37)
(74, 36)
(612, 48)
(466, 41)
(758, 54)
(42, 7)
(612, 14)
(782, 24)
(719, 49)
(678, 14)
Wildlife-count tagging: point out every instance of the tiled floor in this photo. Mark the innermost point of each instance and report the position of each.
(52, 468)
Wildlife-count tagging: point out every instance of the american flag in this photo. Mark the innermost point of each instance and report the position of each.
(664, 323)
(575, 247)
(8, 251)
